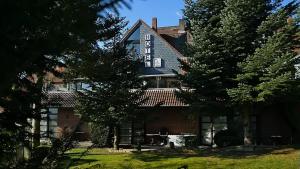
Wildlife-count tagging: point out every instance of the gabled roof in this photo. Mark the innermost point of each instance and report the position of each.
(141, 22)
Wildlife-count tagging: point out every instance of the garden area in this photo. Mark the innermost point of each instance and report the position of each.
(286, 157)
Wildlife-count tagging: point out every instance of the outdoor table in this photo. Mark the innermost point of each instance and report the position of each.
(276, 139)
(152, 137)
(187, 137)
(162, 139)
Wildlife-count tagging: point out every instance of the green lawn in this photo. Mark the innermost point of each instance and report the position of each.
(280, 158)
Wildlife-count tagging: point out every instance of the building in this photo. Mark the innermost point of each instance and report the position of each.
(164, 115)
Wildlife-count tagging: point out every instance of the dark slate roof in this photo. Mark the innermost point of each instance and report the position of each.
(61, 99)
(174, 37)
(153, 97)
(162, 97)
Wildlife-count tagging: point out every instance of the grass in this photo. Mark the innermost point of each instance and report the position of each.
(265, 158)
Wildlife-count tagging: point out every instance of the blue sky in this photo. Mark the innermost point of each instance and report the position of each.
(168, 12)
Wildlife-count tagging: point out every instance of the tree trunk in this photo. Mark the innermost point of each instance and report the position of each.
(247, 126)
(212, 131)
(116, 138)
(36, 132)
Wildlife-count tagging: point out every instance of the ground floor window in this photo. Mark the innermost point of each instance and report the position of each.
(210, 126)
(49, 122)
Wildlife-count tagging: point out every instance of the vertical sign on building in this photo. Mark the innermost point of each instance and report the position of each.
(147, 50)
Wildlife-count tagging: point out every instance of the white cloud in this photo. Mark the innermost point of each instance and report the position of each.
(179, 14)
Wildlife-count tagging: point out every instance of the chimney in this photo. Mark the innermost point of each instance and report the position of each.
(181, 25)
(154, 23)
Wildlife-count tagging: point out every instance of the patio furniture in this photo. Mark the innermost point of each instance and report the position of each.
(188, 138)
(153, 138)
(276, 140)
(158, 138)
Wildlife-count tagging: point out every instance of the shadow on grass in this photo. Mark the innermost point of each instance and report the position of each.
(77, 162)
(164, 154)
(229, 152)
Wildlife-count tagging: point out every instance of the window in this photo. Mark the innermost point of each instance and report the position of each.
(78, 86)
(162, 83)
(58, 87)
(83, 86)
(72, 87)
(134, 48)
(151, 82)
(210, 126)
(173, 83)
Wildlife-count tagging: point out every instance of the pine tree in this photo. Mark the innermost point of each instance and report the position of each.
(240, 20)
(268, 74)
(35, 38)
(204, 66)
(115, 87)
(224, 33)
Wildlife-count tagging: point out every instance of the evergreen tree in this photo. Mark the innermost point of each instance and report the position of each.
(268, 74)
(115, 87)
(36, 36)
(224, 33)
(204, 67)
(240, 20)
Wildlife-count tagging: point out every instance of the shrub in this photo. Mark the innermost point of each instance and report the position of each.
(40, 152)
(100, 135)
(225, 138)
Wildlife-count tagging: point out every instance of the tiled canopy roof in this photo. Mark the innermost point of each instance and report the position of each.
(154, 97)
(162, 97)
(61, 99)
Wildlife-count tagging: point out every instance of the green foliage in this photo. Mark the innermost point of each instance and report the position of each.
(39, 154)
(34, 34)
(242, 53)
(112, 74)
(239, 20)
(100, 135)
(204, 67)
(269, 72)
(36, 37)
(224, 33)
